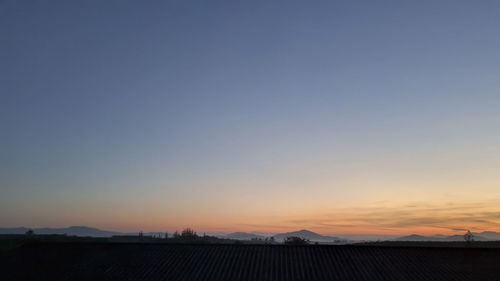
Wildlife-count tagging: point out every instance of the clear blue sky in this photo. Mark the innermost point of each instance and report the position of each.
(245, 115)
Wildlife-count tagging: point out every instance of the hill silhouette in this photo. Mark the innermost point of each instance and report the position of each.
(72, 231)
(85, 231)
(438, 238)
(306, 234)
(243, 236)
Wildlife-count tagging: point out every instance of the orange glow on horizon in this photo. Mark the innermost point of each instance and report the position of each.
(378, 219)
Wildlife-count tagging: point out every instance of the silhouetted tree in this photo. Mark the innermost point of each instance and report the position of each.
(166, 235)
(30, 233)
(468, 237)
(293, 240)
(188, 233)
(176, 234)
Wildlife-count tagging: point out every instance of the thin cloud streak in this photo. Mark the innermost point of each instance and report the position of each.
(409, 218)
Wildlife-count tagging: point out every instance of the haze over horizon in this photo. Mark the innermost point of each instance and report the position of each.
(333, 116)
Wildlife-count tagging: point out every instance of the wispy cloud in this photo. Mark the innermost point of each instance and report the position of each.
(412, 217)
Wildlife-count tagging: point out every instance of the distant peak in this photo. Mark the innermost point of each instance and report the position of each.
(80, 227)
(305, 231)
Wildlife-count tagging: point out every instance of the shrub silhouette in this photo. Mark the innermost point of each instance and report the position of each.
(188, 233)
(468, 237)
(294, 240)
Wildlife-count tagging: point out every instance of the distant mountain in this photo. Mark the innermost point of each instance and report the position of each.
(72, 231)
(265, 234)
(438, 238)
(367, 237)
(490, 235)
(413, 237)
(243, 236)
(306, 234)
(13, 230)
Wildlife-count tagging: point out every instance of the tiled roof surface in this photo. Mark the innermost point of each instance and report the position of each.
(247, 262)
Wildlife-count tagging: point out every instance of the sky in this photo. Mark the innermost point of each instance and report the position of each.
(341, 117)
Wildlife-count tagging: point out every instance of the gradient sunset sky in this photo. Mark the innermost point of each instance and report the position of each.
(335, 116)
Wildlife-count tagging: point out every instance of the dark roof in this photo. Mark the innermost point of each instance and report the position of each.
(246, 262)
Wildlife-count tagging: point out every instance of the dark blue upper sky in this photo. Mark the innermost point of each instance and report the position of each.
(162, 99)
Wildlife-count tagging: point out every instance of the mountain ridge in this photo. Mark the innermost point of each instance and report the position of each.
(83, 231)
(306, 234)
(86, 231)
(441, 238)
(243, 236)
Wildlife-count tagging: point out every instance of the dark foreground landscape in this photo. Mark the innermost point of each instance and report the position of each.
(143, 261)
